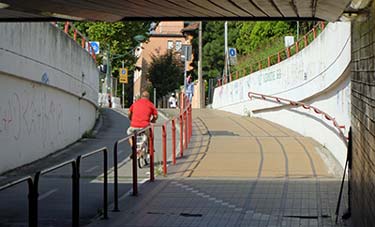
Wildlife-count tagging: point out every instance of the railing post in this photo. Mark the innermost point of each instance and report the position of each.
(174, 141)
(134, 163)
(314, 32)
(305, 40)
(269, 61)
(75, 35)
(105, 184)
(322, 24)
(33, 201)
(186, 129)
(151, 142)
(33, 198)
(288, 52)
(115, 180)
(191, 123)
(260, 65)
(278, 57)
(66, 27)
(75, 192)
(181, 136)
(164, 142)
(297, 47)
(83, 41)
(31, 209)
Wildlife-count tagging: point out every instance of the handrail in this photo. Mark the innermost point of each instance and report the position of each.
(280, 55)
(76, 32)
(104, 150)
(75, 191)
(305, 106)
(132, 136)
(185, 118)
(31, 200)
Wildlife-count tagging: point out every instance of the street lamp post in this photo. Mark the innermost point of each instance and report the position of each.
(139, 39)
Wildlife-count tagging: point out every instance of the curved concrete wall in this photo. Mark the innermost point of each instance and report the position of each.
(49, 92)
(318, 76)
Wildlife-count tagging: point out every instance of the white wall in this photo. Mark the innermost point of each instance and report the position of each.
(315, 76)
(43, 76)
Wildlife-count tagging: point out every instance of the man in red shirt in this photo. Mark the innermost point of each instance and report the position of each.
(141, 114)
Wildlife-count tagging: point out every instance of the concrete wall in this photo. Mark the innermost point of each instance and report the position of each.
(49, 92)
(316, 76)
(363, 120)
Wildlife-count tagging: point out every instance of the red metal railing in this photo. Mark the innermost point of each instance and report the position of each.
(305, 106)
(69, 27)
(278, 57)
(185, 120)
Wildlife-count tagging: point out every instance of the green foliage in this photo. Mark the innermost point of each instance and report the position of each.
(254, 34)
(213, 46)
(119, 37)
(165, 73)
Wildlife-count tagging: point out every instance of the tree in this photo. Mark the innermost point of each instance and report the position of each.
(165, 73)
(120, 37)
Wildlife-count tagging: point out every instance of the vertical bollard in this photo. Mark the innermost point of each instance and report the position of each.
(181, 136)
(174, 141)
(164, 134)
(151, 142)
(134, 157)
(115, 172)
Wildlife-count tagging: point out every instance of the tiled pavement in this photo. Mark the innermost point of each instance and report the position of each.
(238, 171)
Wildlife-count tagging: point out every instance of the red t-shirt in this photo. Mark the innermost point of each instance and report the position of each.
(142, 110)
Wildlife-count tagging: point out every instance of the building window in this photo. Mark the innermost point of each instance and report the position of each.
(170, 44)
(178, 46)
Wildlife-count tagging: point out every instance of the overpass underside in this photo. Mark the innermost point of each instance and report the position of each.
(113, 10)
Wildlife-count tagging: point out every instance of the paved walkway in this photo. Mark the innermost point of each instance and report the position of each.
(238, 171)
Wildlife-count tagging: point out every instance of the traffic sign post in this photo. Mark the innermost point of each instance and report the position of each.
(232, 56)
(95, 46)
(124, 75)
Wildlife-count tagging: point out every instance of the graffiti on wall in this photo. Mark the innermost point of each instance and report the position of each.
(31, 113)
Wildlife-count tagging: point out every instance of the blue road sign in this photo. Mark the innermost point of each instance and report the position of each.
(95, 46)
(232, 52)
(123, 71)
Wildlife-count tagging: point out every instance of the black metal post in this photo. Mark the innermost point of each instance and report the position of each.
(33, 222)
(105, 185)
(33, 198)
(115, 172)
(134, 157)
(75, 192)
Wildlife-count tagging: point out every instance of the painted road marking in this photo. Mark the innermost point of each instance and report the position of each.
(91, 169)
(45, 195)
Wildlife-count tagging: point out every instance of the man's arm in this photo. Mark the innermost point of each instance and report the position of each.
(154, 114)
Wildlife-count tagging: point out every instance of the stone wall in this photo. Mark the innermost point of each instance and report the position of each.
(363, 121)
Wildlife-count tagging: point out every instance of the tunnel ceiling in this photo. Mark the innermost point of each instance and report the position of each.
(115, 10)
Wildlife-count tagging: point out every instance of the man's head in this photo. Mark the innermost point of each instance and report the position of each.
(146, 95)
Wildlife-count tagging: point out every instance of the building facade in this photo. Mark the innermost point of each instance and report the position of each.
(167, 36)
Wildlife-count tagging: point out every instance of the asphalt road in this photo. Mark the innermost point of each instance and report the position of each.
(55, 188)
